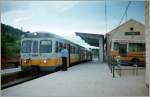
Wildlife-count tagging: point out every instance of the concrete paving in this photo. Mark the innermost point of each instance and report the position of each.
(88, 79)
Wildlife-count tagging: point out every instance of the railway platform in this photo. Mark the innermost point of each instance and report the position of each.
(86, 79)
(10, 70)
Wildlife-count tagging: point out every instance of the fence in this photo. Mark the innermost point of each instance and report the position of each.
(115, 66)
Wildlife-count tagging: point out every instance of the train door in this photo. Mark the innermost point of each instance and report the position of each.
(123, 49)
(79, 52)
(69, 53)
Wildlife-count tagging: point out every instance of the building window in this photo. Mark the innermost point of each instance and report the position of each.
(137, 47)
(116, 46)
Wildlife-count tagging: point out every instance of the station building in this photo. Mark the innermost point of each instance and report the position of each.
(127, 41)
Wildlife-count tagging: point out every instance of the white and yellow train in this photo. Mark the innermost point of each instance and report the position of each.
(42, 50)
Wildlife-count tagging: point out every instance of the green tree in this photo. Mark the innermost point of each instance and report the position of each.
(10, 40)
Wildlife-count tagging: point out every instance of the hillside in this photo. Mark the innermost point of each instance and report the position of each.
(10, 40)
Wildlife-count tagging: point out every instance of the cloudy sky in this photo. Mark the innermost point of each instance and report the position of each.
(66, 17)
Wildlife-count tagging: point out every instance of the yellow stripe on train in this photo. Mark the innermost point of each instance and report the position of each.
(42, 62)
(48, 62)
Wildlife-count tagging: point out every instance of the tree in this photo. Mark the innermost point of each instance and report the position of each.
(10, 40)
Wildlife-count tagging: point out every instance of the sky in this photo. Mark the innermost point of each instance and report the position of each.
(66, 17)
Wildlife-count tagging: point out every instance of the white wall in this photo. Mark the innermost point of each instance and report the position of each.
(138, 27)
(101, 52)
(147, 36)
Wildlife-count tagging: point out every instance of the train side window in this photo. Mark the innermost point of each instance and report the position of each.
(77, 50)
(60, 46)
(56, 47)
(74, 50)
(71, 49)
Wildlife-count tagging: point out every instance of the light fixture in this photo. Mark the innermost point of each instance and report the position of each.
(24, 61)
(45, 61)
(35, 33)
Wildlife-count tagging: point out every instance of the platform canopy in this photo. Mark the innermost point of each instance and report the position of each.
(91, 39)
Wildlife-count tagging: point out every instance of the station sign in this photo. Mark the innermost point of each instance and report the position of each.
(132, 33)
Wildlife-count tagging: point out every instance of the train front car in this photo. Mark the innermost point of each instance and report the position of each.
(37, 52)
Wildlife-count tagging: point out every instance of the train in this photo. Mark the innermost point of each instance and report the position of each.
(41, 50)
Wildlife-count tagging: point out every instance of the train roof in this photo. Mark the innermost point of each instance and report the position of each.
(46, 35)
(39, 35)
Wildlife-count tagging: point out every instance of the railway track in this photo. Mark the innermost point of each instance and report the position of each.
(9, 80)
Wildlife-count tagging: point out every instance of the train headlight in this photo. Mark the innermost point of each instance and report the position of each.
(45, 61)
(24, 61)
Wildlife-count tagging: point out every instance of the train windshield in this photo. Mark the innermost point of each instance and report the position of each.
(35, 46)
(26, 46)
(45, 46)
